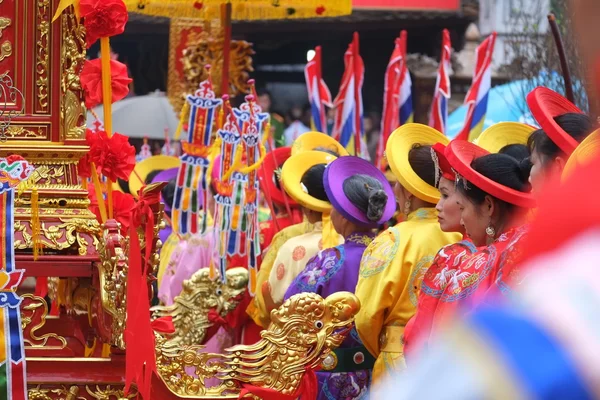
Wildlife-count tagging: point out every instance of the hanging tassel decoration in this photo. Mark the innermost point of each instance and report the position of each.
(36, 226)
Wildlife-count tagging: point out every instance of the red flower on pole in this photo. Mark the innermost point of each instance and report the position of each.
(114, 157)
(91, 81)
(122, 205)
(103, 18)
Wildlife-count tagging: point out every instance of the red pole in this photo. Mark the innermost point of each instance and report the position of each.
(357, 116)
(226, 23)
(319, 77)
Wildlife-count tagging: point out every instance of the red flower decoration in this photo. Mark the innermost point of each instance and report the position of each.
(122, 205)
(103, 18)
(114, 157)
(320, 10)
(198, 5)
(91, 81)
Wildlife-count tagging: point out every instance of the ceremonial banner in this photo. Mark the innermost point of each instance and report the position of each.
(191, 193)
(13, 170)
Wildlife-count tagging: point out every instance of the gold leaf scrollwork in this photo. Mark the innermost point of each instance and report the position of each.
(60, 236)
(109, 393)
(42, 53)
(15, 131)
(35, 308)
(72, 110)
(59, 393)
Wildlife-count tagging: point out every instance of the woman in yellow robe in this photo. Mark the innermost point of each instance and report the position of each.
(393, 265)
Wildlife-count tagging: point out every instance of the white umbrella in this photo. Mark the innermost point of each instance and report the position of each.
(141, 116)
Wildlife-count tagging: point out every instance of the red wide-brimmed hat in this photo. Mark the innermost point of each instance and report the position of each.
(460, 155)
(441, 162)
(267, 175)
(545, 105)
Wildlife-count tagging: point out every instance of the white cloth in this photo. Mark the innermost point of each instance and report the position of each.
(292, 132)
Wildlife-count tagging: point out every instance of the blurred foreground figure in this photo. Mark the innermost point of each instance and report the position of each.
(546, 343)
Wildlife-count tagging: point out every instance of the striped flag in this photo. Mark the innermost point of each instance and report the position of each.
(477, 97)
(319, 95)
(13, 384)
(348, 103)
(441, 94)
(390, 118)
(406, 104)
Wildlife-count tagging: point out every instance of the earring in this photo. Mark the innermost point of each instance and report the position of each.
(407, 207)
(490, 231)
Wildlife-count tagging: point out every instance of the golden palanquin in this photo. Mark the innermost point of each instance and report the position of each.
(79, 351)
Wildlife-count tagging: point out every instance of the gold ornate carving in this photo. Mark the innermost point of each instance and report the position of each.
(59, 393)
(34, 132)
(202, 48)
(42, 53)
(4, 23)
(72, 56)
(35, 308)
(200, 295)
(113, 250)
(303, 331)
(60, 236)
(5, 50)
(53, 174)
(109, 393)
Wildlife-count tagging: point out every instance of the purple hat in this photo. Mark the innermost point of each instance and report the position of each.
(166, 176)
(343, 168)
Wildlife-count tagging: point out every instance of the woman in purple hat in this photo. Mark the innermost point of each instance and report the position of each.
(362, 199)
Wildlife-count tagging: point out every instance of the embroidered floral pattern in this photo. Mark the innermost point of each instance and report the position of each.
(380, 253)
(280, 271)
(321, 268)
(298, 253)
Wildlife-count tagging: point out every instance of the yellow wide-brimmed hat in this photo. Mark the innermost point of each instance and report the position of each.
(291, 176)
(144, 167)
(494, 138)
(310, 141)
(584, 153)
(399, 144)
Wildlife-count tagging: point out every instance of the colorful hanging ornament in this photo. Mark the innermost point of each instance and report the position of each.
(13, 170)
(191, 194)
(251, 137)
(230, 190)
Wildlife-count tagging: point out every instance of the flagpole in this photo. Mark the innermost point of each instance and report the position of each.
(357, 124)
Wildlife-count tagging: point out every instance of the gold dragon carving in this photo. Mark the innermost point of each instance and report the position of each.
(113, 250)
(113, 268)
(200, 295)
(303, 331)
(42, 53)
(72, 56)
(206, 48)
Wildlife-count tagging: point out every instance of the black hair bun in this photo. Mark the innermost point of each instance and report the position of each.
(377, 201)
(524, 170)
